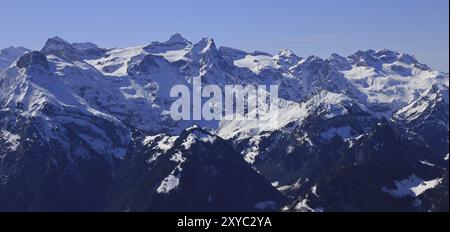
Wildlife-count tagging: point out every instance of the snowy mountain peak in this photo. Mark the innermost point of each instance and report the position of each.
(176, 46)
(389, 56)
(385, 52)
(339, 62)
(286, 58)
(286, 53)
(365, 58)
(57, 39)
(61, 48)
(177, 38)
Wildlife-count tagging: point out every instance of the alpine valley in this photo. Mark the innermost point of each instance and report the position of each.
(85, 128)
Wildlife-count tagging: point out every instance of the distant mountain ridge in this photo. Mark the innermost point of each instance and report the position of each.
(88, 128)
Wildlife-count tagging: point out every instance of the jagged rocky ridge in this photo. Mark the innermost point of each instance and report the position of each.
(88, 128)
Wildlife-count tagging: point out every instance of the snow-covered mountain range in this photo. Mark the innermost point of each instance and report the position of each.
(89, 128)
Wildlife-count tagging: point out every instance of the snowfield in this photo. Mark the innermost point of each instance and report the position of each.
(413, 186)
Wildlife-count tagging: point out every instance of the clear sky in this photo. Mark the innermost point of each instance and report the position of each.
(319, 27)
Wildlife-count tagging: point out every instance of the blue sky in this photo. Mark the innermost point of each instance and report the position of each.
(319, 27)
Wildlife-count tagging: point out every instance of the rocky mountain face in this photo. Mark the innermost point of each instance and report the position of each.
(190, 172)
(381, 171)
(85, 128)
(426, 118)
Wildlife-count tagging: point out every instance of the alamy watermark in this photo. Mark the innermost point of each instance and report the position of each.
(232, 102)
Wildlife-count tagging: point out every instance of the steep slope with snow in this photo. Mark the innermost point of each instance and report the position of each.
(390, 80)
(195, 171)
(381, 171)
(426, 118)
